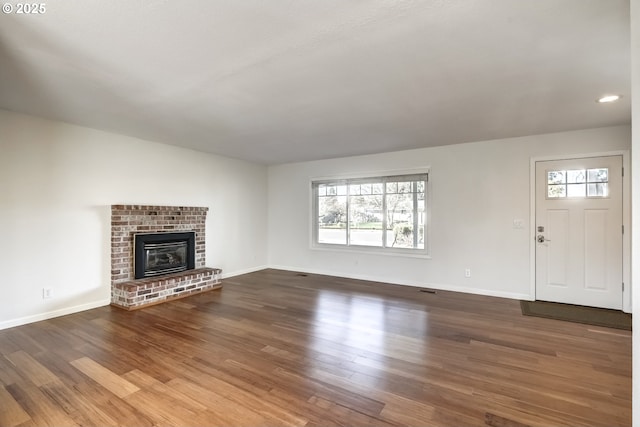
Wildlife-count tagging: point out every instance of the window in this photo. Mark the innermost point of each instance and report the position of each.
(382, 212)
(590, 183)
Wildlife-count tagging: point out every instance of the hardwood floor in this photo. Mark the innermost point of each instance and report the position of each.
(286, 349)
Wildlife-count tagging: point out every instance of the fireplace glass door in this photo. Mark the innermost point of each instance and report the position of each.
(164, 258)
(157, 254)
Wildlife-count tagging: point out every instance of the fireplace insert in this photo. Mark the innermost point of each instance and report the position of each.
(157, 254)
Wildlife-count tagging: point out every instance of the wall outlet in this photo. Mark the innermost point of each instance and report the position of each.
(46, 293)
(467, 272)
(518, 224)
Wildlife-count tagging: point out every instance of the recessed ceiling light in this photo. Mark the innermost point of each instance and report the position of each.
(609, 98)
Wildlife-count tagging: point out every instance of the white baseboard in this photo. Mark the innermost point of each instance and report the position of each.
(438, 286)
(51, 314)
(245, 271)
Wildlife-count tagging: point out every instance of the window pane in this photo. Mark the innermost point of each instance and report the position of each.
(400, 220)
(404, 187)
(392, 187)
(598, 175)
(332, 216)
(402, 236)
(600, 189)
(556, 177)
(556, 191)
(365, 217)
(576, 176)
(360, 201)
(576, 190)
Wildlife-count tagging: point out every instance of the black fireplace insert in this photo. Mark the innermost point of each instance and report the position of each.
(157, 254)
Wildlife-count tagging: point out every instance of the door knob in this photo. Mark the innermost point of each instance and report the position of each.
(541, 239)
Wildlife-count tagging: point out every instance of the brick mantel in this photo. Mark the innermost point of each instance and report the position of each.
(127, 220)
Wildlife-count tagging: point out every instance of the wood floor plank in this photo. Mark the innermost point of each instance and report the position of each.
(11, 413)
(104, 401)
(8, 372)
(164, 404)
(224, 411)
(280, 348)
(31, 368)
(42, 410)
(112, 382)
(79, 408)
(240, 392)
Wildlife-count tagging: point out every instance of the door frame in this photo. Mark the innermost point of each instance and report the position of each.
(626, 219)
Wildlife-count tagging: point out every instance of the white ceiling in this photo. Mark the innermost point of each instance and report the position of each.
(283, 81)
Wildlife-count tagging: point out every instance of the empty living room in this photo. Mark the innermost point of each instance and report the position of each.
(381, 213)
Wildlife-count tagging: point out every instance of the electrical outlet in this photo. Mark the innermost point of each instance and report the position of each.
(46, 293)
(467, 272)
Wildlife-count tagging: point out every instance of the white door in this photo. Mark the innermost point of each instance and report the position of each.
(579, 231)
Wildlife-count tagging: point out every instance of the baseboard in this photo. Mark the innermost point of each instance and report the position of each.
(245, 271)
(51, 314)
(438, 286)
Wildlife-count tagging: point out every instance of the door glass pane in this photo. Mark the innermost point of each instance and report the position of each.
(556, 191)
(598, 175)
(578, 183)
(556, 177)
(576, 190)
(576, 176)
(600, 189)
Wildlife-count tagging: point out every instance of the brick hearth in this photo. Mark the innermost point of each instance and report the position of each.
(127, 220)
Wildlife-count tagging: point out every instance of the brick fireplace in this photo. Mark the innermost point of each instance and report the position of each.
(130, 220)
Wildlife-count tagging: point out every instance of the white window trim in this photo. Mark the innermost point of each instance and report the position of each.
(372, 250)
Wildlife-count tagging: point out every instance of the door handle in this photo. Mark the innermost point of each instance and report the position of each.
(541, 239)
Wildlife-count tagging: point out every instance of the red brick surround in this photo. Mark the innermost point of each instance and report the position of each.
(140, 293)
(127, 220)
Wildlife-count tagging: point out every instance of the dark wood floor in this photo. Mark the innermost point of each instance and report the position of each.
(280, 348)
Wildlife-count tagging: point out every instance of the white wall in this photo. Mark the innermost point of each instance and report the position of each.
(58, 182)
(477, 190)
